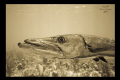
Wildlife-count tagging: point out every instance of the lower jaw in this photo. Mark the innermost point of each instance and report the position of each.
(47, 47)
(40, 49)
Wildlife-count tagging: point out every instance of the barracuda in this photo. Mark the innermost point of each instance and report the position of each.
(71, 46)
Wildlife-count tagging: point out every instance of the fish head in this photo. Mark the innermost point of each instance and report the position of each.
(68, 46)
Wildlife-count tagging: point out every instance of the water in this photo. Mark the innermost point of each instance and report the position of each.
(44, 20)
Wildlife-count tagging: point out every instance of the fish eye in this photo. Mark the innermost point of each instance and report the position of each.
(61, 39)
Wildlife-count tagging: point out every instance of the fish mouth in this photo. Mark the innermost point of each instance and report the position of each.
(39, 45)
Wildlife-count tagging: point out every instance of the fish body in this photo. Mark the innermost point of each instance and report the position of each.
(71, 45)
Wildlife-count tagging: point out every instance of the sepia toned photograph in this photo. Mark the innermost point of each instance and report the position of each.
(60, 40)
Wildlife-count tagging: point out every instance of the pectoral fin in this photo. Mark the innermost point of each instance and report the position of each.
(96, 59)
(100, 58)
(95, 49)
(103, 59)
